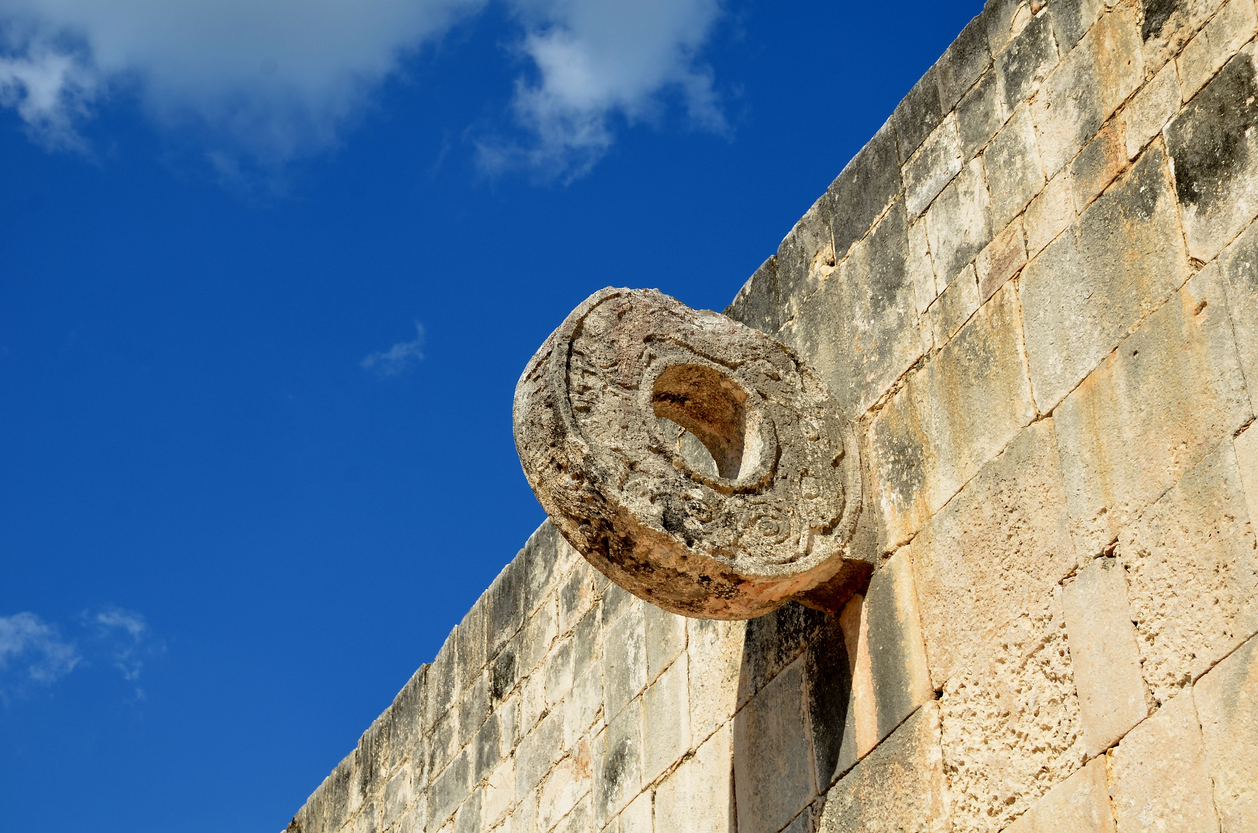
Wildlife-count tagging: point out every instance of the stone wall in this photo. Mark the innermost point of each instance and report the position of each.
(1036, 291)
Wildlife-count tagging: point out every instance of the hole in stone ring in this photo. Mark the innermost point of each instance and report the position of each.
(712, 407)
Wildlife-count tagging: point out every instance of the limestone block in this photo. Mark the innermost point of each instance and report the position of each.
(1099, 163)
(921, 271)
(617, 755)
(473, 708)
(806, 256)
(1010, 720)
(1080, 804)
(829, 665)
(565, 785)
(1088, 85)
(468, 818)
(954, 306)
(1072, 19)
(1153, 409)
(1104, 654)
(582, 706)
(1004, 19)
(537, 751)
(698, 796)
(862, 192)
(1003, 258)
(934, 165)
(1220, 39)
(1239, 262)
(546, 560)
(503, 674)
(470, 634)
(992, 552)
(665, 639)
(898, 786)
(757, 302)
(917, 115)
(1214, 149)
(980, 113)
(1089, 287)
(1247, 463)
(958, 223)
(1192, 574)
(1159, 777)
(624, 658)
(637, 817)
(578, 595)
(403, 721)
(896, 647)
(963, 63)
(449, 789)
(1013, 168)
(443, 744)
(504, 605)
(1050, 213)
(1150, 109)
(772, 642)
(772, 771)
(1025, 64)
(524, 816)
(860, 330)
(487, 749)
(666, 721)
(1227, 706)
(539, 634)
(532, 700)
(441, 686)
(929, 441)
(714, 651)
(1168, 25)
(499, 793)
(558, 673)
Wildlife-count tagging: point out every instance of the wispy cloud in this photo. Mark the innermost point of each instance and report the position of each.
(32, 651)
(399, 358)
(124, 639)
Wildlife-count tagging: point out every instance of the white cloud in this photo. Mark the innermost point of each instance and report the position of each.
(125, 637)
(399, 358)
(266, 81)
(32, 651)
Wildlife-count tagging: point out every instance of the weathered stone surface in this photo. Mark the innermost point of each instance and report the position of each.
(953, 307)
(917, 115)
(1246, 446)
(772, 762)
(1089, 287)
(1104, 654)
(921, 271)
(862, 192)
(715, 651)
(997, 548)
(962, 64)
(936, 162)
(1214, 148)
(564, 786)
(899, 786)
(1005, 19)
(1154, 408)
(1003, 258)
(1080, 804)
(592, 419)
(637, 817)
(666, 720)
(929, 440)
(1072, 19)
(806, 257)
(859, 332)
(1168, 24)
(830, 699)
(1150, 109)
(1227, 706)
(980, 114)
(1050, 213)
(1013, 168)
(624, 658)
(1192, 574)
(1239, 263)
(1159, 776)
(772, 642)
(1099, 163)
(757, 303)
(1219, 40)
(1089, 84)
(897, 652)
(1010, 721)
(698, 796)
(448, 791)
(618, 763)
(1025, 64)
(959, 222)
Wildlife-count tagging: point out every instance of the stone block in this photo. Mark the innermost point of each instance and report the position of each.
(1003, 258)
(1013, 168)
(532, 698)
(897, 653)
(1150, 109)
(1159, 779)
(806, 258)
(1099, 163)
(1153, 409)
(583, 705)
(757, 302)
(992, 552)
(557, 673)
(1227, 706)
(698, 796)
(860, 330)
(624, 659)
(1168, 25)
(579, 820)
(1010, 720)
(1104, 654)
(504, 605)
(1214, 147)
(860, 732)
(397, 797)
(1050, 213)
(1089, 287)
(443, 742)
(899, 786)
(772, 642)
(442, 685)
(473, 708)
(1239, 262)
(449, 789)
(934, 165)
(962, 64)
(540, 632)
(980, 113)
(1025, 64)
(666, 721)
(1246, 446)
(1192, 574)
(503, 674)
(404, 720)
(1004, 20)
(921, 271)
(772, 769)
(1080, 804)
(714, 659)
(865, 189)
(544, 557)
(499, 793)
(1219, 40)
(468, 818)
(1072, 19)
(537, 751)
(487, 749)
(565, 785)
(1089, 84)
(665, 639)
(577, 595)
(637, 817)
(470, 635)
(929, 441)
(958, 223)
(917, 115)
(829, 695)
(618, 763)
(953, 307)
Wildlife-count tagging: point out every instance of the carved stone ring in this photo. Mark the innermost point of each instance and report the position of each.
(696, 462)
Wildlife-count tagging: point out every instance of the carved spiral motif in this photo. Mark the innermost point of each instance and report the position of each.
(695, 461)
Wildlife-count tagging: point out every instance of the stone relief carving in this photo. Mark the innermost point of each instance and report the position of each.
(696, 462)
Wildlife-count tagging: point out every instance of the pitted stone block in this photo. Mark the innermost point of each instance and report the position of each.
(612, 418)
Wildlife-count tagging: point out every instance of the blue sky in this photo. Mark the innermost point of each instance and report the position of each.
(269, 270)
